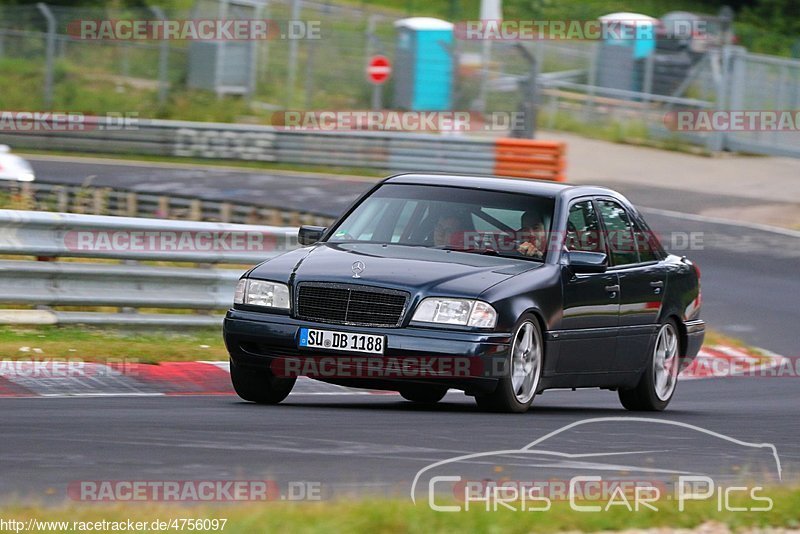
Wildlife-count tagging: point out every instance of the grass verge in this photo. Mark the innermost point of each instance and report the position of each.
(98, 344)
(402, 516)
(146, 345)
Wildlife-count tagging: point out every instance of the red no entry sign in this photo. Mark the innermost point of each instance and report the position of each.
(379, 69)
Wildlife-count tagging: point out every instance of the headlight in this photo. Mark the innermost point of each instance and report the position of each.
(261, 293)
(463, 312)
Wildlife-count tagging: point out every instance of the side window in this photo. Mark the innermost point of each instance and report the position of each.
(619, 233)
(644, 244)
(583, 230)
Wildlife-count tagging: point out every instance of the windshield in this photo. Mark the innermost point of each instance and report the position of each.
(452, 218)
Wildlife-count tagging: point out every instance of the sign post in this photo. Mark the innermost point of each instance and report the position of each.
(379, 70)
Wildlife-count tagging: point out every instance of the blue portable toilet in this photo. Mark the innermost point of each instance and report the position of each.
(423, 71)
(628, 40)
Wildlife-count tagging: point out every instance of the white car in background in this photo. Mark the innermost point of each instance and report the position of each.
(13, 167)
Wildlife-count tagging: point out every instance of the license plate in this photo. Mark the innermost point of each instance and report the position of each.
(312, 338)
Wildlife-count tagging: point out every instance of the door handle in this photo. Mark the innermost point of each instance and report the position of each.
(612, 289)
(657, 285)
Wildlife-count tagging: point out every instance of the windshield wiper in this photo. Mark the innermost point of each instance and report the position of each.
(490, 252)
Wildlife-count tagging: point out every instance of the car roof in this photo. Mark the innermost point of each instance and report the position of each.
(510, 185)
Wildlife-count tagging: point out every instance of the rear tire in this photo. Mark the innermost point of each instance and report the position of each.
(424, 394)
(517, 388)
(657, 385)
(260, 385)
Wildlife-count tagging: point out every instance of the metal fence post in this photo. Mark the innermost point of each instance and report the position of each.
(647, 84)
(529, 100)
(486, 58)
(125, 64)
(716, 141)
(588, 108)
(309, 81)
(781, 98)
(732, 86)
(50, 51)
(373, 46)
(292, 74)
(262, 64)
(163, 59)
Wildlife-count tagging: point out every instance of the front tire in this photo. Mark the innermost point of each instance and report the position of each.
(424, 394)
(260, 385)
(657, 385)
(517, 388)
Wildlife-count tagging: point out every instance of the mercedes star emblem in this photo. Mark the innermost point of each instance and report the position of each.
(358, 268)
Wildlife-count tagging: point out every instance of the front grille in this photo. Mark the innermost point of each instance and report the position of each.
(350, 304)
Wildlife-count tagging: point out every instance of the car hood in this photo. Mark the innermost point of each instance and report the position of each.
(418, 270)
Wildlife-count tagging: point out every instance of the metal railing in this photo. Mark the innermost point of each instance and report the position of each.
(156, 265)
(100, 200)
(390, 151)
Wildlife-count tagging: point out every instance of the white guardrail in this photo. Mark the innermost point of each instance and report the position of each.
(126, 263)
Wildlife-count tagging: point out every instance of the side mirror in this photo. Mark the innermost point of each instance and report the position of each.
(308, 235)
(582, 262)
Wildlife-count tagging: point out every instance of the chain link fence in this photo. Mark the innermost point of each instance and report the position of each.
(579, 86)
(325, 72)
(759, 82)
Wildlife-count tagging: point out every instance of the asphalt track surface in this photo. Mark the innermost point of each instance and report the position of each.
(375, 444)
(287, 190)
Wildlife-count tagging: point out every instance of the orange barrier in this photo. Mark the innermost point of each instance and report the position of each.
(529, 158)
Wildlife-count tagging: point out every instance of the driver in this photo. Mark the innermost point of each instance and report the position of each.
(445, 229)
(531, 235)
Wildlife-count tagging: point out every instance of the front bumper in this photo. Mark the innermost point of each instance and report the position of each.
(467, 360)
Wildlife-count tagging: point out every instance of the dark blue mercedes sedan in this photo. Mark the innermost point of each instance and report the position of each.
(501, 288)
